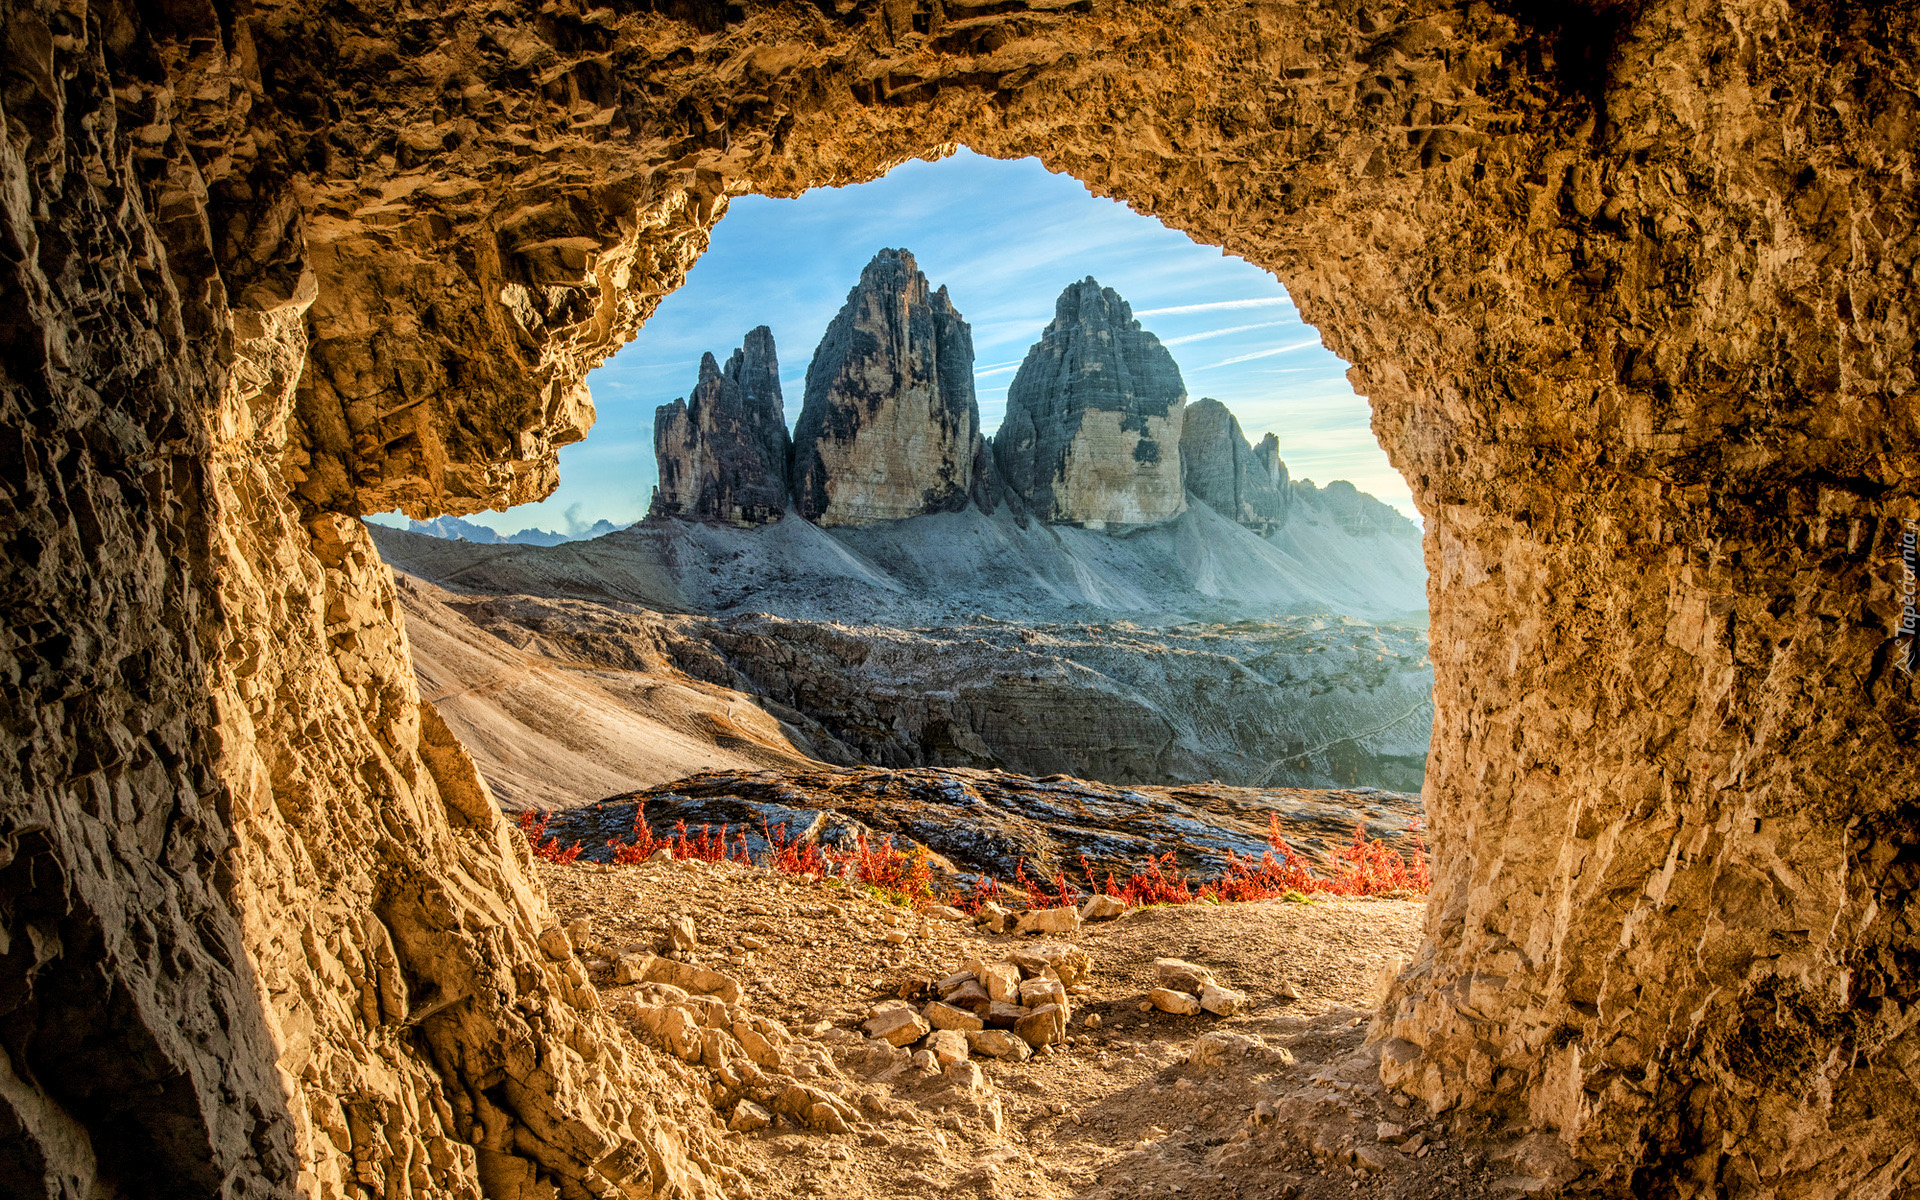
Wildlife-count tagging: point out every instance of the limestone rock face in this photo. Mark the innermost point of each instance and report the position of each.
(1631, 299)
(890, 427)
(1237, 481)
(1092, 432)
(723, 451)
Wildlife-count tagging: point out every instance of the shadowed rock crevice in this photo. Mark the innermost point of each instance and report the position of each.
(1637, 338)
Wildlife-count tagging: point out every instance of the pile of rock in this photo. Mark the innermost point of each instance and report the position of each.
(1006, 1008)
(1186, 988)
(1057, 921)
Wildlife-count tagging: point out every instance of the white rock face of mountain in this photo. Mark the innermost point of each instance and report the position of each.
(1092, 432)
(890, 427)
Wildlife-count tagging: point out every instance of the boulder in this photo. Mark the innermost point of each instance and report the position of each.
(995, 917)
(948, 1046)
(1180, 1004)
(998, 1043)
(1102, 907)
(681, 934)
(555, 944)
(748, 1116)
(946, 1016)
(1221, 1001)
(1068, 963)
(1036, 992)
(1001, 979)
(897, 1025)
(970, 995)
(1218, 1046)
(1048, 920)
(1044, 1026)
(700, 981)
(1002, 1015)
(1181, 975)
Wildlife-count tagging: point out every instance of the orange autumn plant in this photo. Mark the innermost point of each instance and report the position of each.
(1363, 867)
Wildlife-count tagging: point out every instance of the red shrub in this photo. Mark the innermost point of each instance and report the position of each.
(792, 858)
(882, 866)
(1063, 895)
(543, 846)
(643, 845)
(706, 846)
(985, 889)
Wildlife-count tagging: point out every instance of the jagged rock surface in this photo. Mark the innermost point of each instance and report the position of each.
(1092, 431)
(724, 451)
(890, 427)
(1630, 293)
(1219, 467)
(598, 693)
(989, 821)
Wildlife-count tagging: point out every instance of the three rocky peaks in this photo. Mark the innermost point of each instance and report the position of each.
(1098, 430)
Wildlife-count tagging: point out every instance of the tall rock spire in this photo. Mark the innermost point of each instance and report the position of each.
(1234, 479)
(1092, 432)
(723, 451)
(890, 427)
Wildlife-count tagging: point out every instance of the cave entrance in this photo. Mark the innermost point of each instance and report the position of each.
(1011, 412)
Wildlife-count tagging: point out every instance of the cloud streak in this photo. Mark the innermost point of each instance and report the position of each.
(1240, 358)
(1184, 338)
(1214, 306)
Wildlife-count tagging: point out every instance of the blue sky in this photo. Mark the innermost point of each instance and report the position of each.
(1005, 238)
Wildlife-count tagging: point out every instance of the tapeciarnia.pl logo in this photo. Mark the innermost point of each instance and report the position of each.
(1909, 632)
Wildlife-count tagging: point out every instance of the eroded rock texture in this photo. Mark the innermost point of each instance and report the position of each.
(1221, 469)
(724, 451)
(890, 427)
(1092, 432)
(1630, 289)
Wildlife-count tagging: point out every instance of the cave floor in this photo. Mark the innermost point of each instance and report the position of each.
(1138, 1103)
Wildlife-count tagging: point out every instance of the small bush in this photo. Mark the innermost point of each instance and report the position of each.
(907, 875)
(1363, 867)
(544, 847)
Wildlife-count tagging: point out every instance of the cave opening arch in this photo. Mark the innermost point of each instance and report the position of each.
(1634, 336)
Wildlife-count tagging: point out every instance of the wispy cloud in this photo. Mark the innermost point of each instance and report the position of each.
(1184, 338)
(1214, 306)
(1002, 370)
(1227, 362)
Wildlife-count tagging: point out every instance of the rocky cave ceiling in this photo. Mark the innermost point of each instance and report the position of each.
(1630, 292)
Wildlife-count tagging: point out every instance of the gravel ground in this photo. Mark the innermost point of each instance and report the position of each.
(1281, 1100)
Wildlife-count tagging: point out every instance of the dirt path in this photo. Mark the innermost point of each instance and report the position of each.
(1280, 1100)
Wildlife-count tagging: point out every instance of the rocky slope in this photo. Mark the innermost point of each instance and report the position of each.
(564, 701)
(987, 822)
(1280, 1099)
(947, 566)
(1092, 431)
(723, 451)
(890, 428)
(1628, 286)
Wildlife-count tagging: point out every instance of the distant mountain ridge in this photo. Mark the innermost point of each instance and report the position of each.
(454, 529)
(1098, 431)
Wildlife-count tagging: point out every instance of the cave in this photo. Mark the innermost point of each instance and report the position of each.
(1628, 284)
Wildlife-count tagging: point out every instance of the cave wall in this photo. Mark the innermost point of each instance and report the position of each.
(1629, 288)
